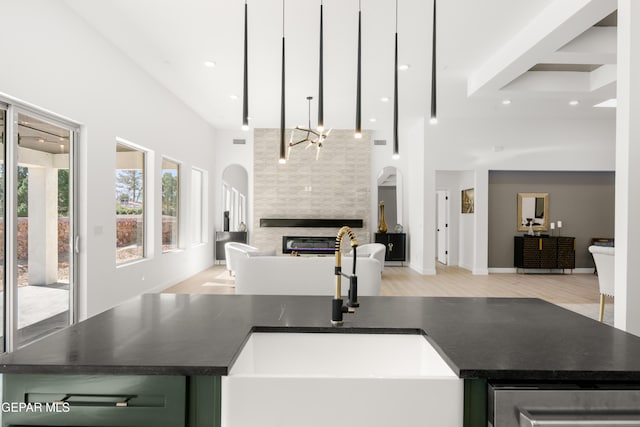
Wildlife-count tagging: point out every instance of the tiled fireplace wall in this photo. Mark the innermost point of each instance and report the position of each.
(337, 185)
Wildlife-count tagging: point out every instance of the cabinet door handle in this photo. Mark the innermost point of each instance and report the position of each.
(539, 244)
(578, 419)
(390, 246)
(118, 400)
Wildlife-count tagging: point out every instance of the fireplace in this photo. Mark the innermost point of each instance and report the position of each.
(309, 244)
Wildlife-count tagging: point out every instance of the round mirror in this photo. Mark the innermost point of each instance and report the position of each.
(390, 192)
(235, 190)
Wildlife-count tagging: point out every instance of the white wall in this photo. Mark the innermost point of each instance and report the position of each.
(528, 144)
(52, 59)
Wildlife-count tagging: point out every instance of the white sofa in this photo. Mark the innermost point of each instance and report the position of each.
(372, 250)
(303, 275)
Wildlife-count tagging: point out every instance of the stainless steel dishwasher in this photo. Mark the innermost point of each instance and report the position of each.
(563, 405)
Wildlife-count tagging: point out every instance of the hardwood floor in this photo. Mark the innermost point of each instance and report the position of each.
(449, 281)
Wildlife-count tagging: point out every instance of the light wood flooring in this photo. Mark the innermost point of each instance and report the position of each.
(449, 281)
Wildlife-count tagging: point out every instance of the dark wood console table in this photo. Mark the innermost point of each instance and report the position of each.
(544, 252)
(396, 244)
(223, 237)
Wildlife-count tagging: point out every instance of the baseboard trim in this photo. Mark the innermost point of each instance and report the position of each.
(480, 271)
(423, 271)
(499, 270)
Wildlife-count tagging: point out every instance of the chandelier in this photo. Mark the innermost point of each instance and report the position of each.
(311, 136)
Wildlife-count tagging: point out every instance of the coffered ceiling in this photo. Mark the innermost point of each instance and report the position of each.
(538, 54)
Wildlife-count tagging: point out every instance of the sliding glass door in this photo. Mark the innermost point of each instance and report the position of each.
(3, 114)
(39, 263)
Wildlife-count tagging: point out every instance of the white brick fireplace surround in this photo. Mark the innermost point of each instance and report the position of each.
(337, 185)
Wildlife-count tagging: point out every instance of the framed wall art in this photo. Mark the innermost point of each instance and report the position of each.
(467, 201)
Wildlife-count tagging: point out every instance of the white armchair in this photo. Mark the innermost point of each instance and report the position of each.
(232, 250)
(604, 258)
(371, 250)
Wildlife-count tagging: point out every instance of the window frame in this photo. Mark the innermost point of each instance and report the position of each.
(179, 195)
(147, 202)
(200, 239)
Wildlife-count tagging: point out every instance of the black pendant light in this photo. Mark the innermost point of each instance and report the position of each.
(434, 117)
(321, 82)
(283, 153)
(358, 132)
(396, 153)
(245, 95)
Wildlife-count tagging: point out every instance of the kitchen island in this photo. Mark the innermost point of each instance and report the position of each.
(185, 343)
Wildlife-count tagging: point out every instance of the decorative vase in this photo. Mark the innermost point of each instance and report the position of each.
(530, 221)
(382, 226)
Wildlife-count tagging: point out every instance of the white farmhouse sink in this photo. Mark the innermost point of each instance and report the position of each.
(336, 379)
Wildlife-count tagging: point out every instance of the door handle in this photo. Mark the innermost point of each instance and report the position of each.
(76, 244)
(578, 418)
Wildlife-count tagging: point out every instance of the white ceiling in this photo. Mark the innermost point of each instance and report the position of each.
(490, 41)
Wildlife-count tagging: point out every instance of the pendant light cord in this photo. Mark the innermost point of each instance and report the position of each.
(396, 16)
(396, 143)
(320, 126)
(283, 155)
(358, 127)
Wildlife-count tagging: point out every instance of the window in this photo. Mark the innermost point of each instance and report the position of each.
(2, 122)
(197, 207)
(170, 204)
(130, 203)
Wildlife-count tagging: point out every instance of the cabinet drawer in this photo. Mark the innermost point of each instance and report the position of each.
(102, 400)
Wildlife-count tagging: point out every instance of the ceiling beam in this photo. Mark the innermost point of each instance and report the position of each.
(597, 45)
(557, 25)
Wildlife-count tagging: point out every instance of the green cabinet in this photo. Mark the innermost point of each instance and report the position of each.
(110, 400)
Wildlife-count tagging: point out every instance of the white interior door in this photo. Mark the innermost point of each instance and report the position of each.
(442, 220)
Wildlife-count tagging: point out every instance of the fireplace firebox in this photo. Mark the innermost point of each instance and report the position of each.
(308, 244)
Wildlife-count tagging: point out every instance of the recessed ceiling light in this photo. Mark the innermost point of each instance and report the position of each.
(384, 99)
(233, 96)
(609, 103)
(506, 101)
(404, 67)
(209, 64)
(372, 119)
(574, 102)
(40, 140)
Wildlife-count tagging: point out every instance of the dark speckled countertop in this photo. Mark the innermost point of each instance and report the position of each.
(494, 338)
